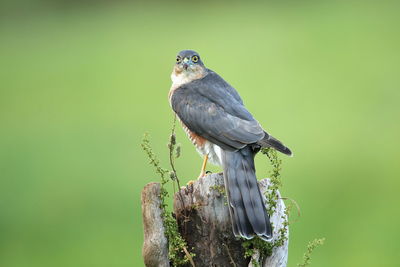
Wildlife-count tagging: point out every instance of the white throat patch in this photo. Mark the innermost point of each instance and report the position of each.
(185, 77)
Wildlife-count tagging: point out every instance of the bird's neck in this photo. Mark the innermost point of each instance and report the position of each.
(180, 77)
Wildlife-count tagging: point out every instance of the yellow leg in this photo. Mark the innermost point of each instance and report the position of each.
(202, 172)
(203, 167)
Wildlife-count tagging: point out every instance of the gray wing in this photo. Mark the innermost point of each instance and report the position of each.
(218, 81)
(211, 108)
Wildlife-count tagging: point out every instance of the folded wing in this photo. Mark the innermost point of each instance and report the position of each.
(211, 108)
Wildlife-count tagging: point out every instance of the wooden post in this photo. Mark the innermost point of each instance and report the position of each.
(203, 218)
(155, 246)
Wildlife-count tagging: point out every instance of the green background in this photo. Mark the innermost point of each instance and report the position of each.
(81, 83)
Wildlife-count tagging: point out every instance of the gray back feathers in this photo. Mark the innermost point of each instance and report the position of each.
(211, 108)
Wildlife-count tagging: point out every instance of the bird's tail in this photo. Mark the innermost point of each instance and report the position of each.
(246, 205)
(270, 141)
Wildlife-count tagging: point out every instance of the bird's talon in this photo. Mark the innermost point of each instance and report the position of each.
(204, 174)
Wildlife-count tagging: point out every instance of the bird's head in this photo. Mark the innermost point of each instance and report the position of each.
(188, 66)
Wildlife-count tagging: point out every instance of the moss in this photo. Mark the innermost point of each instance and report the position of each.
(177, 251)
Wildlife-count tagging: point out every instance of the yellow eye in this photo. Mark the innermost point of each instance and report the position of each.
(178, 59)
(195, 59)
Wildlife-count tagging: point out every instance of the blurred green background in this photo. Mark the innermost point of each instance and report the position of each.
(81, 82)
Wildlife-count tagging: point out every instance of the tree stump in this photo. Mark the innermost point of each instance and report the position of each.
(155, 247)
(203, 219)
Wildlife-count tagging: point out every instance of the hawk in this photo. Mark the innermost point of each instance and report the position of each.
(226, 134)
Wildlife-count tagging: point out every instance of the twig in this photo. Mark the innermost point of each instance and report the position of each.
(171, 147)
(296, 204)
(229, 254)
(189, 256)
(171, 152)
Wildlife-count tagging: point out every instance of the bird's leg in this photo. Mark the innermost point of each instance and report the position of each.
(202, 171)
(203, 167)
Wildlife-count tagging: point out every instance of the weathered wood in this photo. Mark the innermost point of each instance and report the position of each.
(155, 246)
(205, 224)
(203, 218)
(279, 255)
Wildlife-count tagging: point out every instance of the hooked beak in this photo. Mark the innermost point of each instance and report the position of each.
(186, 62)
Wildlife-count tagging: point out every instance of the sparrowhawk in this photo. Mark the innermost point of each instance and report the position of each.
(225, 133)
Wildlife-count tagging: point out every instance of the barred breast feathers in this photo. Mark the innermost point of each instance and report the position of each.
(180, 78)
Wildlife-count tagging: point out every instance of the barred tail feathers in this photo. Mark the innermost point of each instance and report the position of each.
(246, 205)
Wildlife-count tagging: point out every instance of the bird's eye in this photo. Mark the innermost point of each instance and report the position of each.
(195, 59)
(178, 59)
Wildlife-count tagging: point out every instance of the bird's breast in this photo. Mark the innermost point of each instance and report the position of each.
(180, 78)
(205, 147)
(197, 140)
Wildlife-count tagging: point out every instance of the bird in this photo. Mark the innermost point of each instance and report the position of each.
(226, 134)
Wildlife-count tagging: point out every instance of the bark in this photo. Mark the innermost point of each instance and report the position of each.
(155, 246)
(203, 218)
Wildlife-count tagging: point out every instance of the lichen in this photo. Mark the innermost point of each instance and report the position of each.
(219, 188)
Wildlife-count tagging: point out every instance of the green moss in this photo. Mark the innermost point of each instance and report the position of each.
(177, 251)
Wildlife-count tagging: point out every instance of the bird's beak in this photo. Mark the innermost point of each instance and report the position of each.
(186, 62)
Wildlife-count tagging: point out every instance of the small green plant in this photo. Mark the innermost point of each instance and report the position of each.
(275, 180)
(264, 248)
(310, 248)
(178, 250)
(257, 245)
(252, 246)
(284, 229)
